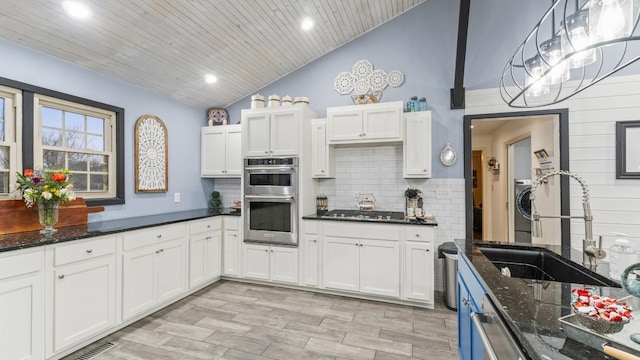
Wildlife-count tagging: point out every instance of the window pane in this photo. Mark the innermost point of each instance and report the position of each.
(4, 157)
(52, 137)
(4, 182)
(51, 117)
(75, 140)
(73, 121)
(95, 125)
(53, 159)
(95, 143)
(99, 182)
(79, 182)
(98, 163)
(77, 162)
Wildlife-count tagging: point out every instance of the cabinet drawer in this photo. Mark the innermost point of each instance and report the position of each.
(141, 238)
(310, 227)
(20, 264)
(362, 230)
(419, 233)
(200, 226)
(232, 222)
(66, 254)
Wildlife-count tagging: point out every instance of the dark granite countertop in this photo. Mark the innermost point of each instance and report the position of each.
(534, 321)
(433, 222)
(27, 239)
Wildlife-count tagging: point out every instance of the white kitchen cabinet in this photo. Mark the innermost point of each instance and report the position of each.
(154, 267)
(232, 246)
(221, 151)
(22, 305)
(362, 257)
(322, 155)
(311, 259)
(417, 145)
(418, 263)
(273, 263)
(82, 301)
(372, 123)
(205, 244)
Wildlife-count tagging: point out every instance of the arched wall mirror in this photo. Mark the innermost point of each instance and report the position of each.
(504, 154)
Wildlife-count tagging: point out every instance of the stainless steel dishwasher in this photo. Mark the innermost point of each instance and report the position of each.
(496, 338)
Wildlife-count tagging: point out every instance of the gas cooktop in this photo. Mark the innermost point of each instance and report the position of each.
(366, 215)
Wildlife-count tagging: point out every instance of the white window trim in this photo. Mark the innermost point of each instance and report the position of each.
(110, 137)
(13, 131)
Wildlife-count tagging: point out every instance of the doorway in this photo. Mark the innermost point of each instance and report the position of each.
(477, 191)
(519, 159)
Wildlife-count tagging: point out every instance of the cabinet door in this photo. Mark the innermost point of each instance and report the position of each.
(171, 269)
(137, 281)
(255, 130)
(417, 146)
(84, 297)
(319, 153)
(22, 318)
(231, 249)
(382, 122)
(213, 257)
(380, 267)
(344, 124)
(284, 264)
(311, 260)
(213, 145)
(233, 159)
(418, 271)
(465, 327)
(197, 259)
(284, 133)
(256, 262)
(340, 263)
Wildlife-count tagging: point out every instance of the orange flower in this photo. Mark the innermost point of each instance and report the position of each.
(28, 172)
(58, 177)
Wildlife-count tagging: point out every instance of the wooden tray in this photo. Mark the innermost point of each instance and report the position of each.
(17, 217)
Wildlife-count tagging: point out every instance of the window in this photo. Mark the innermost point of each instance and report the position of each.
(10, 120)
(81, 138)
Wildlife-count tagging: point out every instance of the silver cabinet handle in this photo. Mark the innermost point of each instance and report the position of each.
(61, 276)
(417, 235)
(89, 251)
(266, 151)
(321, 171)
(425, 170)
(266, 250)
(159, 236)
(314, 240)
(427, 250)
(208, 226)
(208, 238)
(272, 250)
(465, 301)
(477, 323)
(356, 244)
(361, 245)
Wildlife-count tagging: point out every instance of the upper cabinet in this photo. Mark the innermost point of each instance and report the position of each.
(372, 123)
(221, 148)
(273, 131)
(321, 152)
(417, 146)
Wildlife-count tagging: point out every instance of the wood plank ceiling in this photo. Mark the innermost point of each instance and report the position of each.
(167, 46)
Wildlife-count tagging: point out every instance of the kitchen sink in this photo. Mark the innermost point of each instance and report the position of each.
(541, 264)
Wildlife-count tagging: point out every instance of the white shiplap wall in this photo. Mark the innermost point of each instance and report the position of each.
(592, 120)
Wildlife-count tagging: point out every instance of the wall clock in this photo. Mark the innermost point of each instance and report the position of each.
(151, 152)
(218, 116)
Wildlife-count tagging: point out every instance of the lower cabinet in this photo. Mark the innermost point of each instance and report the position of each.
(470, 295)
(311, 259)
(232, 247)
(273, 263)
(153, 271)
(22, 305)
(419, 269)
(83, 297)
(205, 244)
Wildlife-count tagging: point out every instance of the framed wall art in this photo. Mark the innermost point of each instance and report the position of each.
(151, 152)
(628, 149)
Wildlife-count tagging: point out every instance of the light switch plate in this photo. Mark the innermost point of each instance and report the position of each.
(176, 197)
(442, 193)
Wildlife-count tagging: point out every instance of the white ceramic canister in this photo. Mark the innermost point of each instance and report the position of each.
(287, 100)
(274, 101)
(301, 100)
(257, 101)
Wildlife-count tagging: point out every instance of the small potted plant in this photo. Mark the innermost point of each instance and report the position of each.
(215, 202)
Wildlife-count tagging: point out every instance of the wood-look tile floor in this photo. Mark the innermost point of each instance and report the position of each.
(233, 320)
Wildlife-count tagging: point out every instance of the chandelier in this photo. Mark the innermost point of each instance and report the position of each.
(573, 46)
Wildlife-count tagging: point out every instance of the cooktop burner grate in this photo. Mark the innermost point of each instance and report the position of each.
(365, 215)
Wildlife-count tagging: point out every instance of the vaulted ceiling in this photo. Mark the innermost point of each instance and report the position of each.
(167, 46)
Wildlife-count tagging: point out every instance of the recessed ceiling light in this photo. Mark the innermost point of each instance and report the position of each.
(306, 24)
(76, 9)
(210, 79)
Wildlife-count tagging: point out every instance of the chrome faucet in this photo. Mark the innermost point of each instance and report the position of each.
(589, 250)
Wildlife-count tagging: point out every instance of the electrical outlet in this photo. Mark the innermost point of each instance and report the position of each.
(176, 197)
(442, 193)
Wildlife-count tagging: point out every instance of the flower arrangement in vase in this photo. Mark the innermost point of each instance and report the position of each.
(48, 189)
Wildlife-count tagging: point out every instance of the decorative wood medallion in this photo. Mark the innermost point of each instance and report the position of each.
(151, 152)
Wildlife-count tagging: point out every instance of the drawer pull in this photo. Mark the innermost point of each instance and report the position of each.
(427, 250)
(208, 238)
(208, 226)
(61, 276)
(417, 235)
(89, 251)
(159, 236)
(314, 240)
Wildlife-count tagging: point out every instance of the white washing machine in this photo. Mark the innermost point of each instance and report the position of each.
(522, 211)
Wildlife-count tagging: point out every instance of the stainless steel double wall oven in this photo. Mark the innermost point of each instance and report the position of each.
(271, 201)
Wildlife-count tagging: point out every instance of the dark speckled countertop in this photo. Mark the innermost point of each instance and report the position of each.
(22, 240)
(533, 321)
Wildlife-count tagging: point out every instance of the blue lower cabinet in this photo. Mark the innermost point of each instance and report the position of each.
(470, 295)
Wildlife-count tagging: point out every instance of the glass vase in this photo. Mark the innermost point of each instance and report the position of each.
(48, 215)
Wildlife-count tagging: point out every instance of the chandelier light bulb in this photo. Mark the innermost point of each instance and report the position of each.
(611, 20)
(575, 38)
(551, 51)
(537, 86)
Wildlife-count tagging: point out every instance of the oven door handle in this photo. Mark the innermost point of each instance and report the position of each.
(272, 197)
(267, 168)
(477, 323)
